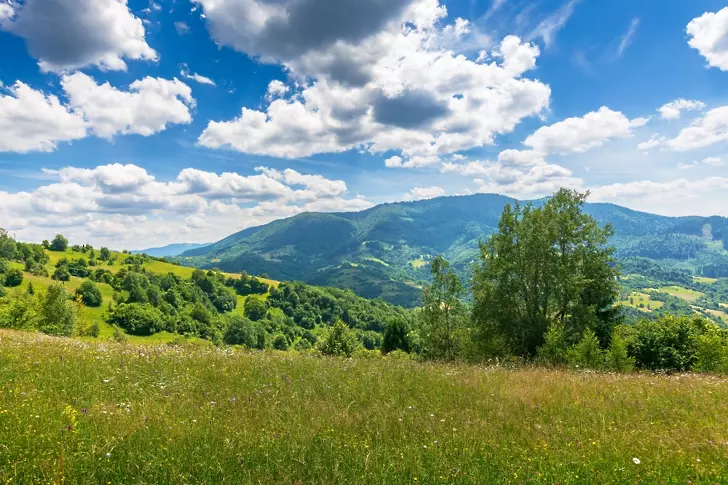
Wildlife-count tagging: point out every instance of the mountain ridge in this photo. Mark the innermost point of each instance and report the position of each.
(383, 251)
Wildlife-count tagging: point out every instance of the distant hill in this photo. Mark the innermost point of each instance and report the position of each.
(170, 249)
(385, 251)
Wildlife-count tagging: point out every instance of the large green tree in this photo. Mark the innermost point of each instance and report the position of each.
(442, 317)
(546, 264)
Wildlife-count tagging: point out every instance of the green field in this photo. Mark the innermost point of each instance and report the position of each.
(642, 301)
(74, 412)
(680, 292)
(704, 280)
(418, 263)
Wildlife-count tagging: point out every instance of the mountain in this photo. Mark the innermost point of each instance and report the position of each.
(384, 251)
(170, 249)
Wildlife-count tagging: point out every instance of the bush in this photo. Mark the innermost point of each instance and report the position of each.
(617, 357)
(669, 343)
(62, 274)
(280, 342)
(93, 330)
(137, 318)
(241, 331)
(59, 243)
(254, 309)
(13, 278)
(303, 345)
(340, 341)
(587, 352)
(90, 294)
(395, 336)
(119, 336)
(711, 353)
(57, 313)
(554, 349)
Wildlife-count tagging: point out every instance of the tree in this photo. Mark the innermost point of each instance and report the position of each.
(14, 278)
(104, 254)
(442, 315)
(137, 318)
(62, 274)
(57, 313)
(546, 264)
(254, 309)
(395, 336)
(587, 353)
(340, 341)
(7, 245)
(59, 243)
(280, 342)
(90, 294)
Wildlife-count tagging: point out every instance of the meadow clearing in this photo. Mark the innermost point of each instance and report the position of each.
(73, 411)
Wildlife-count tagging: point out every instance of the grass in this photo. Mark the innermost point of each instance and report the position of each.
(680, 292)
(75, 412)
(643, 299)
(418, 263)
(704, 280)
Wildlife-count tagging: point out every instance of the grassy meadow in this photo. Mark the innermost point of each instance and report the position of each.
(79, 412)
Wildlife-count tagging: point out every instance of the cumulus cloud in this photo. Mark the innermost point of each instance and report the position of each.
(182, 28)
(709, 129)
(386, 83)
(124, 205)
(671, 110)
(71, 34)
(709, 35)
(419, 193)
(33, 121)
(577, 135)
(654, 141)
(679, 189)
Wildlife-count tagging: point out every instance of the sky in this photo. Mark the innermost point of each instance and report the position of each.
(140, 123)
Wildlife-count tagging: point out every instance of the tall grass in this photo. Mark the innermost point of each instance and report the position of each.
(79, 412)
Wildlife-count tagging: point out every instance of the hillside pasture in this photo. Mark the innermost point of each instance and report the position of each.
(78, 412)
(680, 292)
(642, 301)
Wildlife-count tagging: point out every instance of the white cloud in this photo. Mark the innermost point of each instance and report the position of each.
(419, 193)
(709, 129)
(709, 35)
(654, 141)
(182, 28)
(524, 158)
(551, 25)
(626, 39)
(577, 135)
(389, 84)
(276, 89)
(125, 206)
(674, 190)
(713, 161)
(71, 34)
(671, 110)
(32, 121)
(185, 73)
(147, 108)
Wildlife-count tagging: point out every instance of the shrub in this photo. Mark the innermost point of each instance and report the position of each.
(303, 345)
(241, 331)
(617, 357)
(90, 294)
(57, 314)
(669, 343)
(587, 352)
(395, 336)
(119, 336)
(14, 278)
(59, 243)
(137, 318)
(62, 274)
(254, 309)
(280, 342)
(711, 353)
(340, 341)
(554, 349)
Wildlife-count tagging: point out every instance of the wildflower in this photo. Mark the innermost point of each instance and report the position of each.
(432, 415)
(636, 461)
(108, 455)
(107, 381)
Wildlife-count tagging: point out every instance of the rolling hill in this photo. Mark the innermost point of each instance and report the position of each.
(170, 249)
(384, 251)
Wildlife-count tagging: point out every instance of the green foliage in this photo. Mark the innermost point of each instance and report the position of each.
(7, 245)
(62, 274)
(280, 342)
(545, 264)
(554, 349)
(59, 243)
(340, 341)
(20, 313)
(587, 353)
(13, 278)
(248, 285)
(711, 353)
(442, 317)
(395, 336)
(617, 356)
(668, 343)
(137, 318)
(57, 314)
(90, 294)
(254, 309)
(241, 331)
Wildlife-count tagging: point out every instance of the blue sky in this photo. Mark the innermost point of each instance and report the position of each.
(144, 123)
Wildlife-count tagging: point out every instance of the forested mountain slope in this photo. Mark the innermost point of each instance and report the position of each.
(384, 251)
